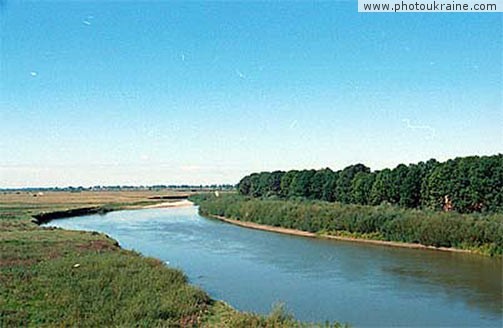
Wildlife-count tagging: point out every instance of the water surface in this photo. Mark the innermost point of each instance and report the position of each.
(318, 280)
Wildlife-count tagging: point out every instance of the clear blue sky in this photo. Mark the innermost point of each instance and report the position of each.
(173, 92)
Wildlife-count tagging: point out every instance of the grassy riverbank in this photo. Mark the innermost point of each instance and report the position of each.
(56, 277)
(477, 233)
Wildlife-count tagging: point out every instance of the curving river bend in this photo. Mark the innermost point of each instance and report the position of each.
(317, 280)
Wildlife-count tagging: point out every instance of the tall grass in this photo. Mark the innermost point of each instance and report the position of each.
(482, 233)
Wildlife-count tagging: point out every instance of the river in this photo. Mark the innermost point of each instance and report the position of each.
(316, 279)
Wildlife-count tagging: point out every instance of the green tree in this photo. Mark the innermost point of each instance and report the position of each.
(381, 191)
(361, 188)
(301, 184)
(464, 184)
(440, 186)
(263, 184)
(410, 188)
(489, 182)
(255, 185)
(286, 182)
(398, 175)
(344, 182)
(426, 170)
(318, 181)
(244, 185)
(275, 182)
(328, 193)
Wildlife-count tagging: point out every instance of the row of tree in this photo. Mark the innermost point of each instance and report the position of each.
(464, 184)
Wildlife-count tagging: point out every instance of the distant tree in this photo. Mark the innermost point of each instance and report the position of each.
(464, 184)
(328, 193)
(244, 185)
(319, 179)
(263, 183)
(255, 185)
(361, 188)
(301, 184)
(440, 186)
(286, 182)
(275, 182)
(410, 188)
(344, 182)
(381, 190)
(426, 170)
(488, 181)
(478, 181)
(398, 175)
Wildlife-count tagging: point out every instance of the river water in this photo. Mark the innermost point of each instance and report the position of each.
(317, 280)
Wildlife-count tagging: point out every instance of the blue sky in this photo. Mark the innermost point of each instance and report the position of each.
(205, 92)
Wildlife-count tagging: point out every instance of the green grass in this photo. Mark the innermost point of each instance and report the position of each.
(222, 315)
(54, 277)
(100, 289)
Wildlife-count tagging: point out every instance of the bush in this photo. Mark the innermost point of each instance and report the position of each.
(439, 229)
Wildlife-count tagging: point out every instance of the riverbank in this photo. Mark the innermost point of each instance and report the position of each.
(300, 233)
(44, 216)
(178, 203)
(381, 225)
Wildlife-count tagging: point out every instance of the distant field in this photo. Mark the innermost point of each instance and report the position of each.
(83, 197)
(21, 204)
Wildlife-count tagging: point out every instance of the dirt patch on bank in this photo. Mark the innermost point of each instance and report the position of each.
(301, 233)
(179, 203)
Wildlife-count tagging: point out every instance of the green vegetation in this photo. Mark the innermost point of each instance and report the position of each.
(464, 184)
(477, 232)
(406, 202)
(53, 277)
(221, 315)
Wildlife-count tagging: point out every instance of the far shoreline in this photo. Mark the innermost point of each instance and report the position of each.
(300, 233)
(46, 217)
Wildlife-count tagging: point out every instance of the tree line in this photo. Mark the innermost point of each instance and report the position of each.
(464, 184)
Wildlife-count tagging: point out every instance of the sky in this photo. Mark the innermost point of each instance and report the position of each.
(171, 92)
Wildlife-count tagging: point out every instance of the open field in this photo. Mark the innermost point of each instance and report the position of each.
(35, 201)
(54, 277)
(23, 205)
